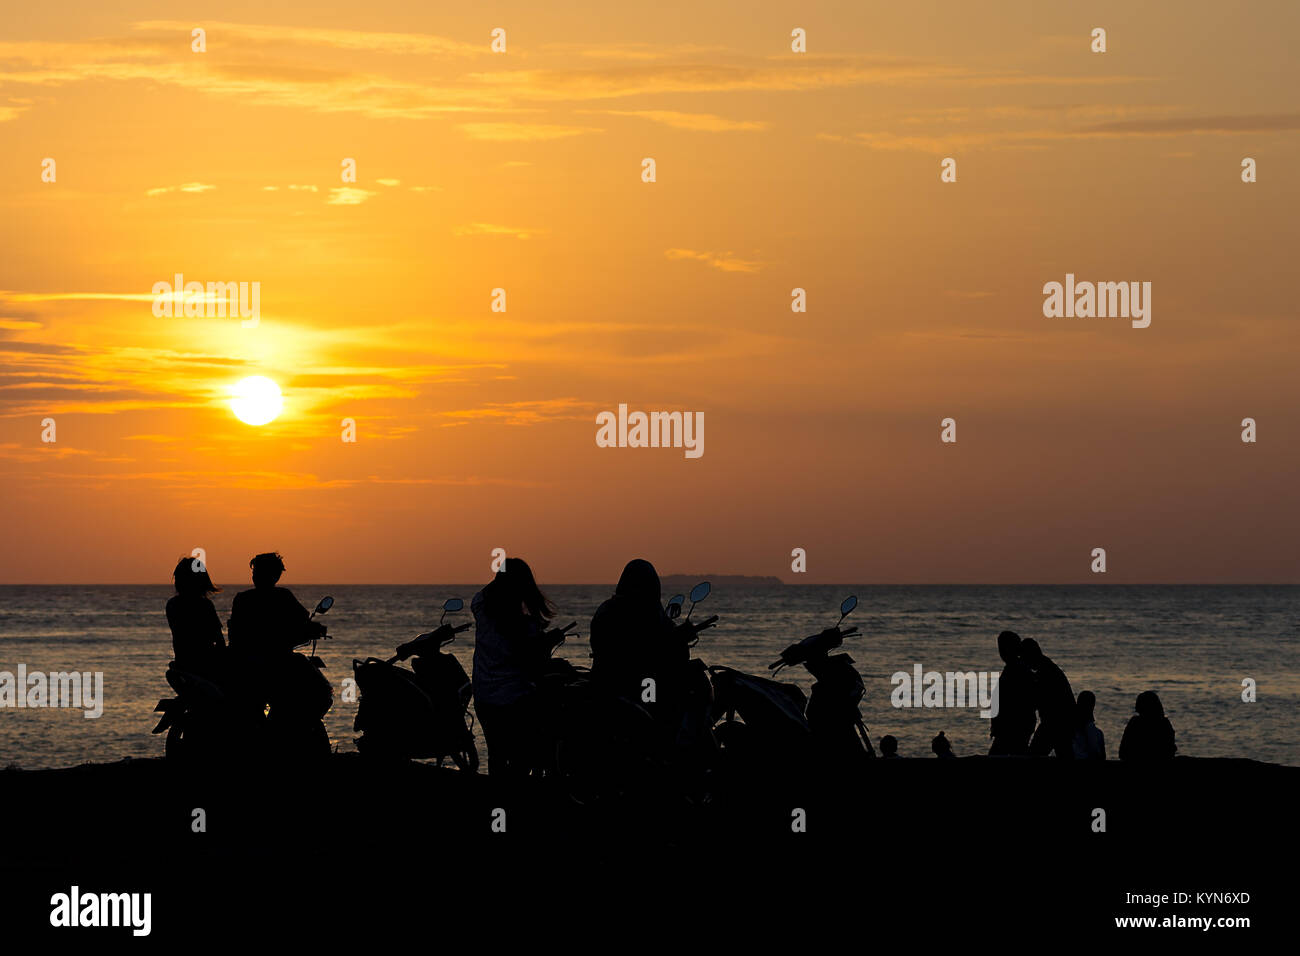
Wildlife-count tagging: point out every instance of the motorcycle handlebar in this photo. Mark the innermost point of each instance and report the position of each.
(812, 646)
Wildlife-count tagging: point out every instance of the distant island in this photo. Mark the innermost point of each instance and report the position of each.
(684, 582)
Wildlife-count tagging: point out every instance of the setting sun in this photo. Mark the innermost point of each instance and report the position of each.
(256, 400)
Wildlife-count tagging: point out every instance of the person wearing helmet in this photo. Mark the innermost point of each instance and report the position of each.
(266, 623)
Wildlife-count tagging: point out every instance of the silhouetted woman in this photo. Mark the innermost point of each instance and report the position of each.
(197, 641)
(1149, 734)
(942, 747)
(1089, 742)
(511, 616)
(631, 636)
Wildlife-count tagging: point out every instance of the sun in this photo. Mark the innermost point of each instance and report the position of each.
(256, 400)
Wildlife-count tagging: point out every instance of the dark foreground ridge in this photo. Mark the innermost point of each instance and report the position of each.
(1006, 841)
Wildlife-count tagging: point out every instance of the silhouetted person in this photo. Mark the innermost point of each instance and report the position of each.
(1055, 702)
(1013, 724)
(267, 621)
(198, 645)
(511, 615)
(942, 747)
(266, 624)
(632, 638)
(1089, 742)
(889, 747)
(1149, 734)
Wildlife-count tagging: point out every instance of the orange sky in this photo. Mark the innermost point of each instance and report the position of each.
(775, 170)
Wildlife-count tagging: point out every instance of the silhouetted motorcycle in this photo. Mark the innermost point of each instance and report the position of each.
(213, 718)
(422, 712)
(763, 723)
(833, 710)
(606, 746)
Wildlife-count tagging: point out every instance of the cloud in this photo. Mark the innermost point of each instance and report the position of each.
(488, 229)
(1010, 137)
(184, 187)
(698, 122)
(522, 132)
(415, 44)
(348, 196)
(725, 261)
(1172, 126)
(526, 412)
(389, 182)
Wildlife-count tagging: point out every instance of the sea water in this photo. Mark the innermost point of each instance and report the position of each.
(1193, 645)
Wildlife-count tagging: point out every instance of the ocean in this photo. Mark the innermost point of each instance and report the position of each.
(1193, 645)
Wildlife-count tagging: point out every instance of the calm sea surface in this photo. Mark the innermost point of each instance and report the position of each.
(1193, 645)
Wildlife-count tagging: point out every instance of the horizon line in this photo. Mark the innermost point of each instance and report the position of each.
(781, 582)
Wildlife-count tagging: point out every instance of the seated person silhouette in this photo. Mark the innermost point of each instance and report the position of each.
(632, 638)
(197, 642)
(1089, 742)
(942, 747)
(889, 747)
(266, 624)
(1149, 735)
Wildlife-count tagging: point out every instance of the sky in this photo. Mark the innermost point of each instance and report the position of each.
(775, 170)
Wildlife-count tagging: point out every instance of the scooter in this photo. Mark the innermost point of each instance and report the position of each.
(763, 723)
(834, 716)
(422, 712)
(300, 696)
(208, 717)
(607, 746)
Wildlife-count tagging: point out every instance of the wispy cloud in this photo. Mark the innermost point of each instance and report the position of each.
(697, 122)
(414, 44)
(184, 188)
(488, 229)
(526, 412)
(349, 196)
(1176, 125)
(522, 132)
(724, 261)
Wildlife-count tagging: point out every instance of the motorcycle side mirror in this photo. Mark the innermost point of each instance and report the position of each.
(847, 606)
(325, 604)
(698, 594)
(674, 609)
(450, 606)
